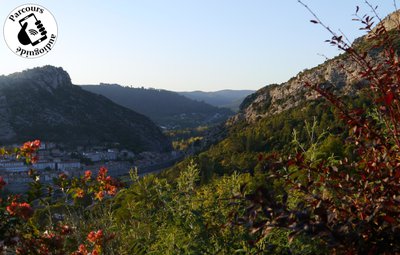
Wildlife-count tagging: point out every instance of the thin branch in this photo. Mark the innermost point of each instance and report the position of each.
(317, 18)
(345, 37)
(373, 10)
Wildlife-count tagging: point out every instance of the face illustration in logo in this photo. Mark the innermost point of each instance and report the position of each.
(32, 31)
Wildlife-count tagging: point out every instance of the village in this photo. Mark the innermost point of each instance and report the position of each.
(55, 159)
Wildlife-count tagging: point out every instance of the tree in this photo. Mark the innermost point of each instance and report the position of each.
(353, 205)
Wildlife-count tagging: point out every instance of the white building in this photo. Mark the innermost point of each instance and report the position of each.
(64, 166)
(41, 165)
(109, 155)
(13, 166)
(93, 156)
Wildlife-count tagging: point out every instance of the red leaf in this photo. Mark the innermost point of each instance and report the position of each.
(389, 98)
(389, 219)
(397, 174)
(363, 177)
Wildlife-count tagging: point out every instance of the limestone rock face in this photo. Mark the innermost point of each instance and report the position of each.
(47, 77)
(392, 21)
(340, 73)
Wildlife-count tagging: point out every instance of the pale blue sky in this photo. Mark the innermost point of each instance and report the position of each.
(187, 45)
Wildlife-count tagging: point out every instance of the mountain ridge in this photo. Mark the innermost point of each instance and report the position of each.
(227, 98)
(166, 108)
(42, 103)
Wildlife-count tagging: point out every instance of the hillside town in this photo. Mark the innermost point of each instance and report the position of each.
(55, 159)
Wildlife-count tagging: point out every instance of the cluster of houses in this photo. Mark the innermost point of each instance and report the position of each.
(55, 164)
(53, 160)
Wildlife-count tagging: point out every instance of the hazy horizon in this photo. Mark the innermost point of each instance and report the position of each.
(187, 45)
(179, 91)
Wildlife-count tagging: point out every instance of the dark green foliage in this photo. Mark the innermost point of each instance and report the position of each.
(166, 108)
(160, 216)
(332, 145)
(240, 150)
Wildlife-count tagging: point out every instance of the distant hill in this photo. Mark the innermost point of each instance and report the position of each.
(42, 103)
(223, 98)
(166, 108)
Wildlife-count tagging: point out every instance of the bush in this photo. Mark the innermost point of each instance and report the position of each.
(352, 205)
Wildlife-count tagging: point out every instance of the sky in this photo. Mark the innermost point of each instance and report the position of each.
(185, 45)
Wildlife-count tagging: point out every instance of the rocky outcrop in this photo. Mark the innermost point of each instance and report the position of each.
(392, 21)
(47, 77)
(340, 73)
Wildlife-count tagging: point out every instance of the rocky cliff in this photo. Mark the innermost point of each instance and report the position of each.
(340, 73)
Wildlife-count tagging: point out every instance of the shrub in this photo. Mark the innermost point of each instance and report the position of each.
(352, 205)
